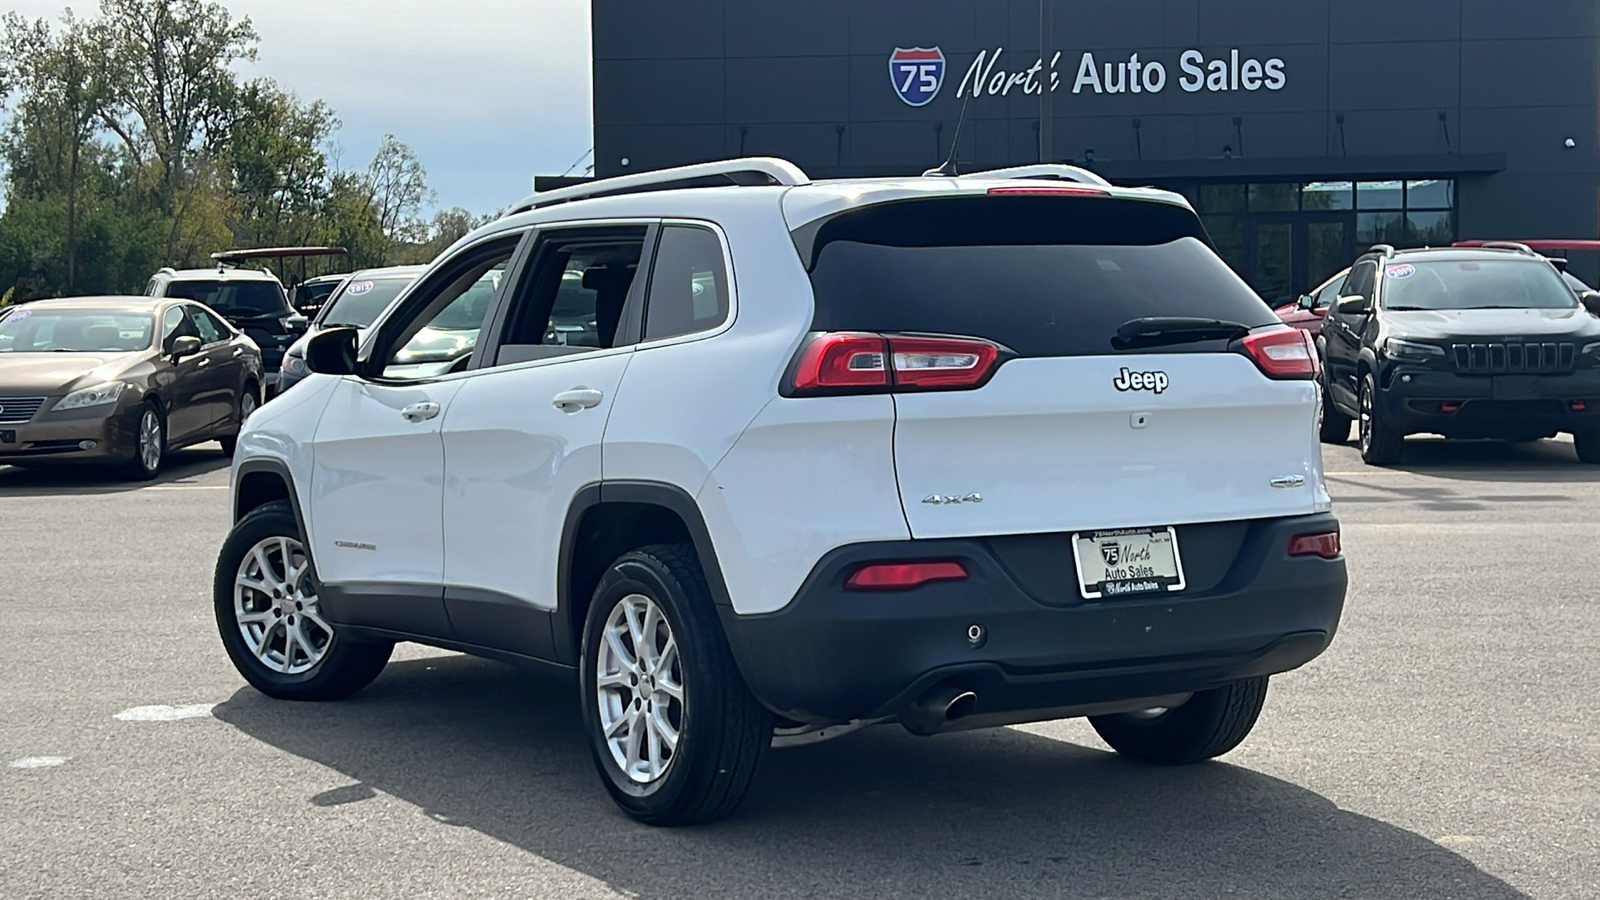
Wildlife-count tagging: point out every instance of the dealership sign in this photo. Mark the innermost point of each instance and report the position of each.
(917, 74)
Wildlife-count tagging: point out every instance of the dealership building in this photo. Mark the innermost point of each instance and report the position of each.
(1302, 131)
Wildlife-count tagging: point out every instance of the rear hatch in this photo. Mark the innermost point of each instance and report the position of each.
(1070, 428)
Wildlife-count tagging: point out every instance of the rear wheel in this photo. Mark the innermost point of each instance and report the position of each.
(249, 402)
(675, 733)
(1587, 443)
(1210, 724)
(270, 619)
(1334, 427)
(1380, 443)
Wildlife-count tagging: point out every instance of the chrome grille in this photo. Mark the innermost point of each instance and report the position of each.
(16, 410)
(1494, 358)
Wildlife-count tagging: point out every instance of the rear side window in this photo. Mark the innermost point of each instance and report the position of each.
(688, 284)
(1042, 276)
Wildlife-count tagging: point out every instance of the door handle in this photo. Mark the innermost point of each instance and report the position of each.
(420, 412)
(238, 352)
(577, 399)
(205, 361)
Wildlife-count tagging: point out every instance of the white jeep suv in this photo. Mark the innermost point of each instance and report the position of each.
(760, 460)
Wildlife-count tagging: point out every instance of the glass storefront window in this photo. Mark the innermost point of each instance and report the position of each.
(1221, 198)
(1329, 195)
(1380, 195)
(1227, 232)
(1430, 194)
(1380, 228)
(1274, 197)
(1432, 229)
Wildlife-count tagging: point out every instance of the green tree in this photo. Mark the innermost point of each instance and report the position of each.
(280, 171)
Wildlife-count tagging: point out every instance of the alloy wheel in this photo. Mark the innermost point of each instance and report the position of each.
(275, 607)
(150, 440)
(247, 406)
(1366, 418)
(639, 689)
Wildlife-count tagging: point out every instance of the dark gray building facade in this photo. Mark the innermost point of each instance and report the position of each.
(1304, 130)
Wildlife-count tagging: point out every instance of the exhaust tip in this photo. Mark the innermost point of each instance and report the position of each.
(960, 706)
(937, 709)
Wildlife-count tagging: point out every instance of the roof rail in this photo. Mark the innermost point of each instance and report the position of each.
(1046, 170)
(1508, 245)
(1386, 250)
(751, 170)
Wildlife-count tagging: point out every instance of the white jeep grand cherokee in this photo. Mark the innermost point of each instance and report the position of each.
(761, 460)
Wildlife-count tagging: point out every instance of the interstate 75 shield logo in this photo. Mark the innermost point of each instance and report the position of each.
(917, 74)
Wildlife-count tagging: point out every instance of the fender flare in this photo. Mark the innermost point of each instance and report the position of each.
(271, 467)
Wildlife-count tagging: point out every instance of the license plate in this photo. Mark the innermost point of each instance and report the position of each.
(1516, 387)
(8, 437)
(1128, 562)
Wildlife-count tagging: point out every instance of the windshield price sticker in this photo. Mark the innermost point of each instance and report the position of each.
(360, 287)
(1402, 271)
(1128, 562)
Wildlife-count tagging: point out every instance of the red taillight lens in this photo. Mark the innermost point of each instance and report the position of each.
(1288, 353)
(903, 576)
(941, 362)
(1323, 545)
(1043, 189)
(842, 360)
(846, 362)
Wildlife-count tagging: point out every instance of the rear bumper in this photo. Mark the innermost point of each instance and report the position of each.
(834, 655)
(1413, 400)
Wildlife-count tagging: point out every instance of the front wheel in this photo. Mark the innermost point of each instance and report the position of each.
(1380, 443)
(265, 595)
(675, 733)
(1210, 724)
(149, 443)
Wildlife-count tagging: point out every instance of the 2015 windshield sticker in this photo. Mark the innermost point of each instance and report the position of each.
(1405, 271)
(360, 287)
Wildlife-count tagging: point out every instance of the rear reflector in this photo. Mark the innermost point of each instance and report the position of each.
(855, 362)
(1323, 545)
(1283, 353)
(903, 576)
(1034, 191)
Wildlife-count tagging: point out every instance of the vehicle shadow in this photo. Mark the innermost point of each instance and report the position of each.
(875, 814)
(180, 466)
(1491, 461)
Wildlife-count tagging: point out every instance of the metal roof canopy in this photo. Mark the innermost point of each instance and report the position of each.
(237, 256)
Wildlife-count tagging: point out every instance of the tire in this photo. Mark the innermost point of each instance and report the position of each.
(321, 664)
(249, 402)
(1587, 444)
(1209, 725)
(1381, 445)
(722, 732)
(1334, 426)
(149, 446)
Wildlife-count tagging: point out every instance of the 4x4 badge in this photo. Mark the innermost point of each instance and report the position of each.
(942, 500)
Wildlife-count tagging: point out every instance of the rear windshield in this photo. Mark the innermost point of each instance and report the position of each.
(234, 298)
(362, 300)
(1475, 284)
(1033, 279)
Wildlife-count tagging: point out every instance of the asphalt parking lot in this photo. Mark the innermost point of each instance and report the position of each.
(1447, 746)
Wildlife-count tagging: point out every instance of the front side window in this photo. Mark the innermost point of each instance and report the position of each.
(436, 332)
(1329, 293)
(1361, 280)
(207, 327)
(688, 284)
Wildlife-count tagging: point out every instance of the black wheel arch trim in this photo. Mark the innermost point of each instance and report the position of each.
(670, 497)
(271, 467)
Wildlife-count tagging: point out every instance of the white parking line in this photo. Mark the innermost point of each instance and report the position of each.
(38, 762)
(165, 713)
(188, 487)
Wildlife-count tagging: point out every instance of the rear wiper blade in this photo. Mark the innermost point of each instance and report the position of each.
(1162, 331)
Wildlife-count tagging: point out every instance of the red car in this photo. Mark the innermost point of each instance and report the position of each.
(1307, 312)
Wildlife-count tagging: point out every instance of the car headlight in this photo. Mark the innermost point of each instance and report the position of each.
(1591, 352)
(1410, 351)
(294, 365)
(99, 395)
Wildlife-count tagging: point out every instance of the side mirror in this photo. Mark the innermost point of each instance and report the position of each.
(333, 352)
(296, 323)
(1590, 301)
(1353, 305)
(1306, 301)
(185, 345)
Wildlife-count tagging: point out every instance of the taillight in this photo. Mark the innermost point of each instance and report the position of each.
(842, 360)
(903, 576)
(854, 362)
(1285, 353)
(1325, 545)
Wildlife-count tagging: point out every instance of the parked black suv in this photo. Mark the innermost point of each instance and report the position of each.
(1467, 343)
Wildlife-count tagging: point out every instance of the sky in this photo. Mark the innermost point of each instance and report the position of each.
(488, 92)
